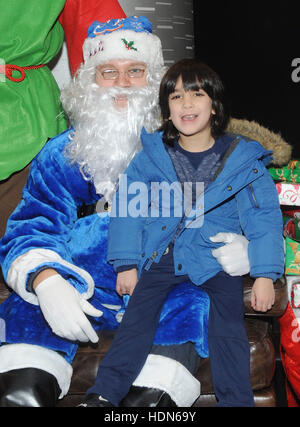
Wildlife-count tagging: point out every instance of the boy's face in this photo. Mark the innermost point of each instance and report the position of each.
(190, 111)
(121, 73)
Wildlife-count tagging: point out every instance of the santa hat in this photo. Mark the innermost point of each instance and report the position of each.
(76, 18)
(126, 38)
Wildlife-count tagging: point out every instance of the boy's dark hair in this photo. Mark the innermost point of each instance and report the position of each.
(194, 75)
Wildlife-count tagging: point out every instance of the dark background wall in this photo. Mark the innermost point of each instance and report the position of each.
(252, 45)
(172, 21)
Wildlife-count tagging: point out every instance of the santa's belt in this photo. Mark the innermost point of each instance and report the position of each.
(87, 210)
(8, 69)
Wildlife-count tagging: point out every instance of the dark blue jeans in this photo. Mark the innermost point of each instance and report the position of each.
(228, 343)
(229, 349)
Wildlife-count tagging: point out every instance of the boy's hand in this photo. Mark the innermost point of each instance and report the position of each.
(126, 282)
(262, 295)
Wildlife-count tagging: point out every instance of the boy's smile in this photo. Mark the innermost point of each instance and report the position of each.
(189, 117)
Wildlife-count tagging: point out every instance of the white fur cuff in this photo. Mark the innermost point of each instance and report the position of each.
(171, 376)
(20, 356)
(35, 259)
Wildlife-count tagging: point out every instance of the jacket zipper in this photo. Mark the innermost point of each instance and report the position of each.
(149, 261)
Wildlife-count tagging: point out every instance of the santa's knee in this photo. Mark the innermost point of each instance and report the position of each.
(32, 376)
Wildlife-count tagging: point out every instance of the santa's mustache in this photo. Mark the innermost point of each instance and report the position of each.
(133, 95)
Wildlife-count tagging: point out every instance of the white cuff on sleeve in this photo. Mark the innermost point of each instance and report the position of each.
(37, 258)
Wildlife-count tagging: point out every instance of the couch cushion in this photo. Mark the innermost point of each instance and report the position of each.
(262, 358)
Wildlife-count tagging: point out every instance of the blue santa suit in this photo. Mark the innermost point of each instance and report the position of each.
(45, 232)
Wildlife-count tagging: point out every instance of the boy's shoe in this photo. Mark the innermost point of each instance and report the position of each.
(95, 401)
(147, 397)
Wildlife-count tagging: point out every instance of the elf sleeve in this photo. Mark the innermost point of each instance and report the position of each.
(31, 110)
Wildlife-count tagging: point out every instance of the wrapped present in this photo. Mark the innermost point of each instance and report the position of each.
(292, 227)
(291, 232)
(290, 212)
(290, 354)
(295, 295)
(292, 259)
(289, 194)
(289, 173)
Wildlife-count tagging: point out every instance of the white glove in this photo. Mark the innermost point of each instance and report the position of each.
(233, 256)
(63, 308)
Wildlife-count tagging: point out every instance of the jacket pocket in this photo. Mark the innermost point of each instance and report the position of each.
(252, 197)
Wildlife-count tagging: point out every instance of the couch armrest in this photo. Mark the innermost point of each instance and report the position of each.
(281, 298)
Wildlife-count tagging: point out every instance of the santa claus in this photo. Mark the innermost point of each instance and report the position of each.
(53, 254)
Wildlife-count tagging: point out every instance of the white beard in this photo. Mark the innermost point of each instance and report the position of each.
(106, 139)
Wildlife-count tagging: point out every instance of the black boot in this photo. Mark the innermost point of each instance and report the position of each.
(144, 397)
(28, 387)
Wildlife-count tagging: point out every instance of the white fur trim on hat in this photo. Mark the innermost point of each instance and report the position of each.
(124, 44)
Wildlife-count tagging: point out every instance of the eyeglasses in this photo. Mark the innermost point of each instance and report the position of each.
(132, 73)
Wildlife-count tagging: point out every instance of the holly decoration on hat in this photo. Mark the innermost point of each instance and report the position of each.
(129, 45)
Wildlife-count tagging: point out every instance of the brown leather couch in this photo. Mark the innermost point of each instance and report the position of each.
(262, 356)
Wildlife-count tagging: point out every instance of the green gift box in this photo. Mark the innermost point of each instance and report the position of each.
(292, 259)
(288, 173)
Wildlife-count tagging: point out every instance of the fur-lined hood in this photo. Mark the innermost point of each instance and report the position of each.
(282, 151)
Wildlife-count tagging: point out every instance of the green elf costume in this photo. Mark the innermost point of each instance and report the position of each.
(30, 108)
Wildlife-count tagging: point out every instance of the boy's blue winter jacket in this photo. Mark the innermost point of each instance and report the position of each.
(241, 199)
